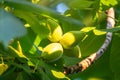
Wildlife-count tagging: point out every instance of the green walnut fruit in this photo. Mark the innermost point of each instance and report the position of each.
(55, 31)
(73, 52)
(72, 38)
(52, 52)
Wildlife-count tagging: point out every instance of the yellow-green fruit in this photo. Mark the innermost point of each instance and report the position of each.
(72, 38)
(55, 31)
(73, 52)
(52, 52)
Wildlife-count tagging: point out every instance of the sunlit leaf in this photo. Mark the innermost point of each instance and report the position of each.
(87, 29)
(59, 74)
(109, 2)
(98, 32)
(19, 47)
(35, 44)
(10, 27)
(104, 31)
(80, 4)
(18, 51)
(29, 7)
(3, 68)
(34, 23)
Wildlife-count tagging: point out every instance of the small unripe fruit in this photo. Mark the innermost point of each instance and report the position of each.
(55, 31)
(52, 52)
(73, 52)
(72, 38)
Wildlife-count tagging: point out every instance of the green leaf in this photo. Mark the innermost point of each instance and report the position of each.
(87, 29)
(115, 29)
(109, 2)
(35, 44)
(91, 43)
(28, 40)
(115, 53)
(44, 42)
(117, 76)
(9, 72)
(29, 7)
(20, 77)
(23, 76)
(25, 67)
(34, 23)
(100, 31)
(10, 27)
(43, 76)
(80, 4)
(59, 75)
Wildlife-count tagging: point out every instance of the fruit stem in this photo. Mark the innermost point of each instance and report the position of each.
(84, 64)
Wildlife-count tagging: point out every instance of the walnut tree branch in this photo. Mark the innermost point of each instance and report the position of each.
(84, 64)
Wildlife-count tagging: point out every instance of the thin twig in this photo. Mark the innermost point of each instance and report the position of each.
(84, 64)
